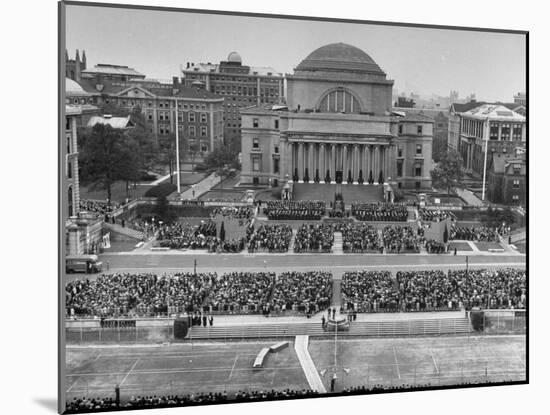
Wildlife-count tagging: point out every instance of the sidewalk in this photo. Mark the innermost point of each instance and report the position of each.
(469, 197)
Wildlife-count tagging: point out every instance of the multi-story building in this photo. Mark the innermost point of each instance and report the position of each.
(520, 99)
(489, 126)
(200, 113)
(507, 179)
(241, 85)
(338, 127)
(81, 232)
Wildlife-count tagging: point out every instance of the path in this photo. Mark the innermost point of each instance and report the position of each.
(312, 376)
(469, 197)
(338, 246)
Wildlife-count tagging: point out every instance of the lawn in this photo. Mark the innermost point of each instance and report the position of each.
(485, 246)
(460, 246)
(118, 191)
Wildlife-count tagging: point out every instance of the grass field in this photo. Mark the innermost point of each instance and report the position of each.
(179, 369)
(421, 361)
(485, 246)
(184, 369)
(460, 246)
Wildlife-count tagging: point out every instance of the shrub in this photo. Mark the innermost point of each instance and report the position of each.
(161, 190)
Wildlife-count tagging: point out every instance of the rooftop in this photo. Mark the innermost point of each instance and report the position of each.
(115, 122)
(108, 69)
(339, 57)
(493, 112)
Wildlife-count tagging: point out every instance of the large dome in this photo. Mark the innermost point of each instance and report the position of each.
(339, 57)
(72, 88)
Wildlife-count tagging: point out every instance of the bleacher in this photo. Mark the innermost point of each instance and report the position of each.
(393, 328)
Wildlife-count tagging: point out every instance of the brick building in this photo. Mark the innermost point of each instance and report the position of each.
(507, 178)
(241, 85)
(338, 127)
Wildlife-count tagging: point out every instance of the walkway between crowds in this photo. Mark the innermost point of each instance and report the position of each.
(469, 197)
(312, 376)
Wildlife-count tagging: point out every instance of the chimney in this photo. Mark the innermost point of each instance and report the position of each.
(175, 85)
(187, 65)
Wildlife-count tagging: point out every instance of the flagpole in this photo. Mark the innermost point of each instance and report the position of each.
(484, 170)
(177, 150)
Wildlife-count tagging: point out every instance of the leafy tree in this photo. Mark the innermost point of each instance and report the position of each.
(162, 209)
(448, 172)
(445, 234)
(107, 155)
(496, 217)
(221, 157)
(222, 232)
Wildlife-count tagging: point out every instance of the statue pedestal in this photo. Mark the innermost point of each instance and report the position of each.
(338, 324)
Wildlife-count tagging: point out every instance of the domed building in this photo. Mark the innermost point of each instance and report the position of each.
(337, 127)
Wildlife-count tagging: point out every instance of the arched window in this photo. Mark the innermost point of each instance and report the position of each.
(340, 100)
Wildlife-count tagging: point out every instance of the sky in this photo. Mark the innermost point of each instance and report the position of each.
(419, 60)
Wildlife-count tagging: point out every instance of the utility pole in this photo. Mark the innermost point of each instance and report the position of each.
(177, 149)
(195, 267)
(484, 169)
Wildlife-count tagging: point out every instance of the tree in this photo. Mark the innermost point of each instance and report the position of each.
(448, 172)
(445, 234)
(221, 157)
(107, 155)
(222, 233)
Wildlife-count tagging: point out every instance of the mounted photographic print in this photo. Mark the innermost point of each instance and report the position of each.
(260, 207)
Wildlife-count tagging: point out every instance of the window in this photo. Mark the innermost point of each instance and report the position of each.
(505, 132)
(419, 129)
(203, 117)
(192, 131)
(418, 170)
(191, 117)
(517, 132)
(255, 122)
(517, 168)
(68, 144)
(256, 164)
(493, 131)
(204, 132)
(276, 166)
(516, 184)
(400, 151)
(276, 150)
(70, 200)
(515, 198)
(204, 148)
(150, 116)
(417, 185)
(400, 168)
(276, 124)
(400, 129)
(255, 143)
(419, 149)
(70, 170)
(255, 180)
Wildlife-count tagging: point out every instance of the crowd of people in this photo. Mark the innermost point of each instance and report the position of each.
(433, 290)
(295, 210)
(186, 236)
(380, 212)
(435, 247)
(401, 239)
(163, 401)
(240, 292)
(306, 292)
(233, 245)
(234, 212)
(360, 238)
(314, 238)
(97, 206)
(369, 291)
(478, 234)
(145, 294)
(270, 238)
(428, 215)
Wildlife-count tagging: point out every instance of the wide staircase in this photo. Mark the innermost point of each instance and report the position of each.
(338, 245)
(381, 328)
(132, 233)
(350, 192)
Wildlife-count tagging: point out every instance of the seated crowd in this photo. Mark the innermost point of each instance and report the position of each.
(380, 212)
(183, 235)
(374, 291)
(359, 238)
(295, 210)
(145, 294)
(270, 238)
(307, 292)
(231, 212)
(479, 234)
(435, 247)
(240, 291)
(314, 238)
(160, 401)
(98, 206)
(399, 239)
(428, 215)
(369, 291)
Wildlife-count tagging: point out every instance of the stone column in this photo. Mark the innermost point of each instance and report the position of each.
(311, 161)
(300, 162)
(383, 162)
(376, 164)
(345, 163)
(322, 168)
(332, 162)
(355, 163)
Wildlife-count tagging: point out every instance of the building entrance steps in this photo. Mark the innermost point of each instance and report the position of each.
(338, 246)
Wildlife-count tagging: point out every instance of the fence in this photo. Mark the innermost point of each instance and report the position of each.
(498, 321)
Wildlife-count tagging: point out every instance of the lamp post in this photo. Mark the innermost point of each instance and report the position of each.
(177, 149)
